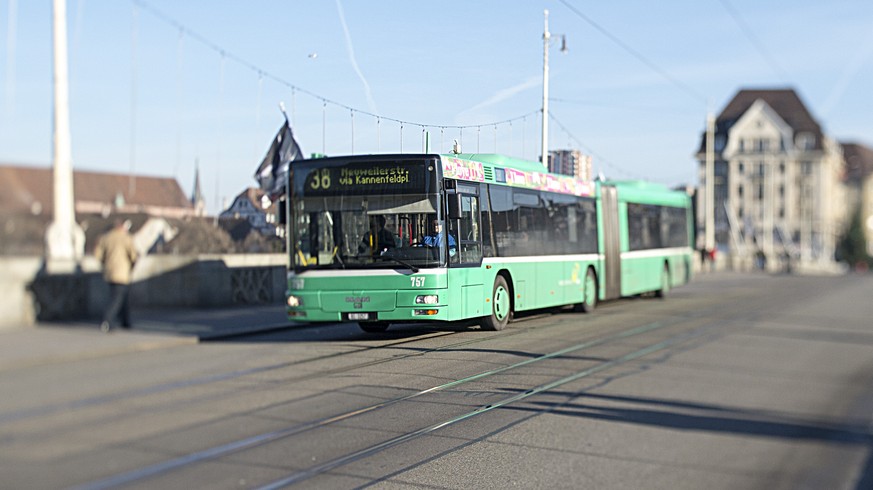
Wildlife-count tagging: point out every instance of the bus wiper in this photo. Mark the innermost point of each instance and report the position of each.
(401, 262)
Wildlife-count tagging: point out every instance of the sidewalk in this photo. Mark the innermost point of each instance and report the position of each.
(57, 342)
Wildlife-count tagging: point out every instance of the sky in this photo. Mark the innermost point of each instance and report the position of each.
(161, 87)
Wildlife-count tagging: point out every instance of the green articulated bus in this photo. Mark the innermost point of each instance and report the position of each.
(381, 239)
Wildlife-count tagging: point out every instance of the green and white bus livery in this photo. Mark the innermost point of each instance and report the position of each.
(383, 239)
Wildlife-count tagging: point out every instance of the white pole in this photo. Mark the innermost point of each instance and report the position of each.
(546, 35)
(62, 237)
(770, 208)
(709, 225)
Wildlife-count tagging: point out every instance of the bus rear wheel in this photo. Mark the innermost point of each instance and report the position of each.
(501, 307)
(374, 327)
(590, 291)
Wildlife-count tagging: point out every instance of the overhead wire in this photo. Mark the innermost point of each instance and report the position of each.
(684, 87)
(275, 78)
(639, 56)
(592, 152)
(750, 35)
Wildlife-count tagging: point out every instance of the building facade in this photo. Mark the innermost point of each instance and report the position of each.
(570, 162)
(779, 195)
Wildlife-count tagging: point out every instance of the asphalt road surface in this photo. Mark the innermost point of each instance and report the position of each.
(733, 381)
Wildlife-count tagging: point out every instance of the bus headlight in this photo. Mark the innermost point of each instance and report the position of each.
(294, 301)
(427, 299)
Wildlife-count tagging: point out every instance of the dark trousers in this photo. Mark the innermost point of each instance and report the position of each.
(119, 305)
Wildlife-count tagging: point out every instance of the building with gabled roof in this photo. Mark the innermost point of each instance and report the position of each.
(254, 206)
(27, 194)
(779, 197)
(29, 190)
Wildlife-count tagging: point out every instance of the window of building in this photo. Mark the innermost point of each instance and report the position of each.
(805, 141)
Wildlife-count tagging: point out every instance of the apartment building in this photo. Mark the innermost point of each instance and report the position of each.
(779, 194)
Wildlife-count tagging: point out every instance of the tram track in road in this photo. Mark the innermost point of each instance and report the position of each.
(94, 401)
(300, 476)
(252, 442)
(31, 413)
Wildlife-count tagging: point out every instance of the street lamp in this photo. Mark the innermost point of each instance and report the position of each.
(546, 39)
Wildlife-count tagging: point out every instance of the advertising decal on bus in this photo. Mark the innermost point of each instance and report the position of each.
(457, 168)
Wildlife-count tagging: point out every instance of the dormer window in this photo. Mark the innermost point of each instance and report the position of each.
(805, 141)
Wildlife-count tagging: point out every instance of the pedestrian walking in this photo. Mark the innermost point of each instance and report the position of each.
(116, 253)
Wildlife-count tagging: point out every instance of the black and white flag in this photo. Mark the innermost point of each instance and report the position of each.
(273, 171)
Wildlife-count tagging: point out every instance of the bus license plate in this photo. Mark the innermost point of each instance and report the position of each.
(359, 316)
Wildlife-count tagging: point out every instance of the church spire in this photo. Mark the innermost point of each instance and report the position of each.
(197, 199)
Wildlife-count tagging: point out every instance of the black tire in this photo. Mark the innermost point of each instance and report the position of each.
(665, 283)
(589, 302)
(501, 307)
(374, 327)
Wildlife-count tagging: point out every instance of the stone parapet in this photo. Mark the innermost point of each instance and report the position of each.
(31, 293)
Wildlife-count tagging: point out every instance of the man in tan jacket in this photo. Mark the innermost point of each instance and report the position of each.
(116, 252)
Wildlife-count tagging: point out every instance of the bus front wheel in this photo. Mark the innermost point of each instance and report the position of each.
(501, 307)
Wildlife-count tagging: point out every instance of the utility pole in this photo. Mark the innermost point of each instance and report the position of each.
(769, 201)
(546, 36)
(709, 224)
(64, 239)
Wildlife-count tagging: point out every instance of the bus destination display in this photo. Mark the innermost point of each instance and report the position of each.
(365, 179)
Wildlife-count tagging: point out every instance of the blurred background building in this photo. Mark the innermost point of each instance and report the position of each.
(164, 219)
(570, 162)
(782, 195)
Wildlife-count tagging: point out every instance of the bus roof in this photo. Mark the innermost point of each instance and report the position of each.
(648, 192)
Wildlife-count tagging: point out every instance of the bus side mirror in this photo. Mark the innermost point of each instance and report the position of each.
(454, 206)
(282, 215)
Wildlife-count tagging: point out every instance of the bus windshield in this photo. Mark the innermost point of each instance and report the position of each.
(365, 213)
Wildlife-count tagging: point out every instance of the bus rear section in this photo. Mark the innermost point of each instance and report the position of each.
(647, 239)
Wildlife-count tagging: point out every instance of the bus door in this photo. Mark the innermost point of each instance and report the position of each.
(464, 225)
(611, 242)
